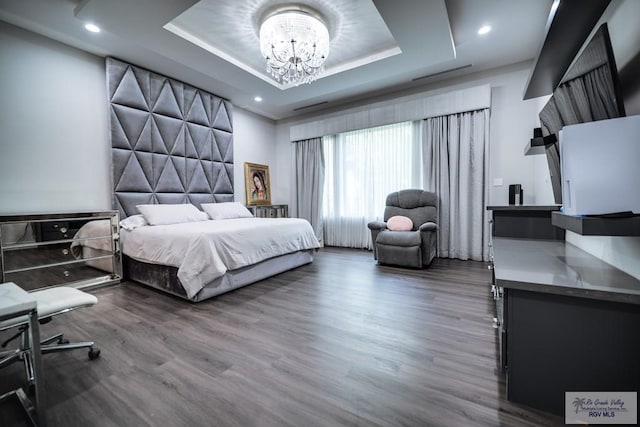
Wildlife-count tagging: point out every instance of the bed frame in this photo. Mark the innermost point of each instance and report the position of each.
(166, 278)
(173, 143)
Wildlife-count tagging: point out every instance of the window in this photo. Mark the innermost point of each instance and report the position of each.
(361, 168)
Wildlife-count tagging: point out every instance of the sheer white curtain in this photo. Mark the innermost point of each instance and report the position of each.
(456, 167)
(361, 168)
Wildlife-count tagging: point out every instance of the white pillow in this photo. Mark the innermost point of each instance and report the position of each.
(226, 210)
(171, 214)
(132, 222)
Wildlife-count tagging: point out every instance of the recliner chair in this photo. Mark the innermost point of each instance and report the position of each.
(415, 248)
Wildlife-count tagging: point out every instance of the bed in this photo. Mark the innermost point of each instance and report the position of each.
(172, 144)
(199, 260)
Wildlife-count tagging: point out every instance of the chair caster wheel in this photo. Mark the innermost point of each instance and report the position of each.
(94, 353)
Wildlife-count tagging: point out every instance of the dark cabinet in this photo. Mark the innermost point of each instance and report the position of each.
(525, 222)
(560, 343)
(566, 322)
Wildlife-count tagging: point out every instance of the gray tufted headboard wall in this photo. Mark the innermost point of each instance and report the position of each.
(171, 142)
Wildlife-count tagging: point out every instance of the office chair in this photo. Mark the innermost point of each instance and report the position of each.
(50, 302)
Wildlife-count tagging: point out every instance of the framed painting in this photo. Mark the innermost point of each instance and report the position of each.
(258, 187)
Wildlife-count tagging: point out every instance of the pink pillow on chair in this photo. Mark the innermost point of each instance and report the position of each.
(399, 223)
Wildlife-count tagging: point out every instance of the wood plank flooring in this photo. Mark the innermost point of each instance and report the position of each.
(340, 342)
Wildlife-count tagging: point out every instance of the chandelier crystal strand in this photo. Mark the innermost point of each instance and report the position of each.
(295, 45)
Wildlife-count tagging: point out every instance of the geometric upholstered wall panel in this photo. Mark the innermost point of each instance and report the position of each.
(171, 142)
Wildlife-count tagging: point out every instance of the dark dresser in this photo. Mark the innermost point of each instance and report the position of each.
(567, 321)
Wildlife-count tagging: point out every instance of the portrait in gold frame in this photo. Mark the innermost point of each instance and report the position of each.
(257, 185)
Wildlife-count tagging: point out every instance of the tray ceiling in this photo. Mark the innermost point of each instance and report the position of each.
(230, 30)
(433, 40)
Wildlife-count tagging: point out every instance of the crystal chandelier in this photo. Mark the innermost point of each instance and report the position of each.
(295, 44)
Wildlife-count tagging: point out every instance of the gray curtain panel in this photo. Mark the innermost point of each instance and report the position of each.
(310, 182)
(587, 97)
(171, 142)
(455, 154)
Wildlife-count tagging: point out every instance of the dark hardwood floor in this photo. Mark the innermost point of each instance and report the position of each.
(340, 342)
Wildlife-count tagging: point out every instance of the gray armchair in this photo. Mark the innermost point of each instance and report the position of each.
(415, 248)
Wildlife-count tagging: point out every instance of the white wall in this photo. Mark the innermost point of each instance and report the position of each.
(254, 142)
(54, 148)
(512, 123)
(622, 19)
(54, 129)
(619, 251)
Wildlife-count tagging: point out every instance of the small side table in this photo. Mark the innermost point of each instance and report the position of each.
(16, 302)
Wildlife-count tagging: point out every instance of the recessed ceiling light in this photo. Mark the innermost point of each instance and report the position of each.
(92, 27)
(484, 29)
(258, 99)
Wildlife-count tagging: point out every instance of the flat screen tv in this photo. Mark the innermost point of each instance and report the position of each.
(589, 91)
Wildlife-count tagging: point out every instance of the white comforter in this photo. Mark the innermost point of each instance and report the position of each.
(206, 250)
